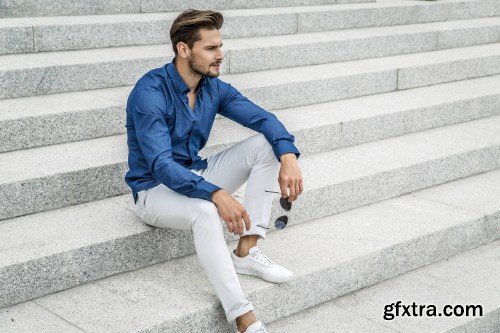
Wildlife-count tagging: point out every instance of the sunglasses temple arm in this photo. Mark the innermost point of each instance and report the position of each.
(272, 192)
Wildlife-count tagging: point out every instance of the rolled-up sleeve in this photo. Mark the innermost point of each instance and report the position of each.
(154, 140)
(240, 109)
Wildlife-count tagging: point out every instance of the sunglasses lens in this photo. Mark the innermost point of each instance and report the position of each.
(281, 222)
(285, 204)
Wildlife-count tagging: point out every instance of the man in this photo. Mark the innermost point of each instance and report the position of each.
(170, 113)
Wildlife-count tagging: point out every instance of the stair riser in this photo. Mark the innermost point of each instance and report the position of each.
(18, 8)
(83, 265)
(151, 6)
(419, 76)
(359, 192)
(244, 61)
(50, 79)
(24, 39)
(433, 12)
(325, 285)
(100, 122)
(35, 195)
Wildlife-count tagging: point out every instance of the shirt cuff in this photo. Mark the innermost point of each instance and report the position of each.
(205, 190)
(283, 147)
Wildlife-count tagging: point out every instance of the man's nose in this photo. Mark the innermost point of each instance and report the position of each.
(220, 55)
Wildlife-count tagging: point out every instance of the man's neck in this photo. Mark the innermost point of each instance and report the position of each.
(191, 79)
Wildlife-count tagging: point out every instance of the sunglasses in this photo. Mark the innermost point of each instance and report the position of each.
(282, 221)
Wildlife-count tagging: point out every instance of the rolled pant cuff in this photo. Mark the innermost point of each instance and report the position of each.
(256, 230)
(231, 316)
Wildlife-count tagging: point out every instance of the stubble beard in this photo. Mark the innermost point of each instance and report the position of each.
(198, 70)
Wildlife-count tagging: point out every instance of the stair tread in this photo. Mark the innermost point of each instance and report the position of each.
(164, 292)
(138, 17)
(468, 278)
(83, 224)
(48, 104)
(101, 55)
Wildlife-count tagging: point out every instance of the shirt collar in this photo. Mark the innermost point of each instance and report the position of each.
(179, 85)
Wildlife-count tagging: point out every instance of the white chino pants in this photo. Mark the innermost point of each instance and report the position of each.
(251, 160)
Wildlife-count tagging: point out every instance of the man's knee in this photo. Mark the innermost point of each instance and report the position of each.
(261, 144)
(207, 216)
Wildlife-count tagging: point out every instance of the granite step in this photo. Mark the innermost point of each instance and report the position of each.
(53, 119)
(44, 178)
(38, 34)
(20, 8)
(66, 247)
(468, 278)
(66, 71)
(330, 257)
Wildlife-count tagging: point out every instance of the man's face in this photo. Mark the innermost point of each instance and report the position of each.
(206, 55)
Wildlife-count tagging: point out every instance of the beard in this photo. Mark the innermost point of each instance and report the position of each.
(197, 69)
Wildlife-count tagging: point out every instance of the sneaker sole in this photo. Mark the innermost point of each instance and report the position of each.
(252, 273)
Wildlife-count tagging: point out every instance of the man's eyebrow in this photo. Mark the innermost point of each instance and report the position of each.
(212, 45)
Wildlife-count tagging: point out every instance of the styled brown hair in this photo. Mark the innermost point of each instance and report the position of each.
(187, 25)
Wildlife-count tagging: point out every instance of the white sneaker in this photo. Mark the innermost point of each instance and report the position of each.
(256, 327)
(258, 264)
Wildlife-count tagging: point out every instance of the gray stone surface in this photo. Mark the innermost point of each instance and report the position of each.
(94, 169)
(359, 248)
(30, 317)
(384, 13)
(169, 5)
(80, 32)
(67, 71)
(376, 156)
(454, 37)
(74, 36)
(90, 241)
(16, 39)
(470, 278)
(447, 71)
(326, 318)
(466, 278)
(42, 120)
(15, 8)
(320, 48)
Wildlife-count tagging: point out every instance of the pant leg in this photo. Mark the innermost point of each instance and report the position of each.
(161, 207)
(252, 159)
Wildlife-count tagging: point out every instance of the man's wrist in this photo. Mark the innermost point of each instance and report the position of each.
(215, 195)
(288, 157)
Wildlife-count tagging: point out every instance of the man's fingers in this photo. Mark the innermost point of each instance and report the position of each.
(301, 186)
(240, 226)
(297, 190)
(283, 187)
(235, 225)
(292, 192)
(247, 221)
(230, 226)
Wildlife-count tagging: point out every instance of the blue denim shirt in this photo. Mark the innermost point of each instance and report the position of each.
(164, 135)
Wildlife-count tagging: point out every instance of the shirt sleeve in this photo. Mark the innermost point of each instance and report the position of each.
(154, 139)
(240, 109)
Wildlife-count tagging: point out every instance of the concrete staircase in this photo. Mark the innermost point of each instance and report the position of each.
(395, 106)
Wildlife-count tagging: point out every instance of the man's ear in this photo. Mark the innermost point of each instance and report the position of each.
(183, 50)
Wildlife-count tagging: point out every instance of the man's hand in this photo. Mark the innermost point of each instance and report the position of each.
(231, 211)
(290, 177)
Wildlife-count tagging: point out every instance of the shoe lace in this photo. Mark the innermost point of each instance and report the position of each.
(260, 256)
